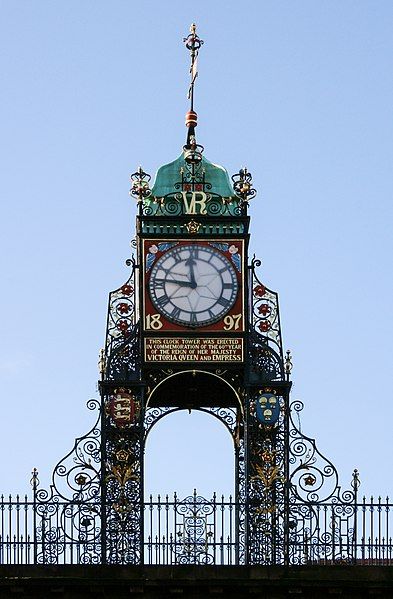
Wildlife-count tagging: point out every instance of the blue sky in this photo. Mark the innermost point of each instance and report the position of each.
(298, 91)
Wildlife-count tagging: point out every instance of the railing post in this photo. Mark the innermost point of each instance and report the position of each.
(286, 488)
(34, 481)
(355, 486)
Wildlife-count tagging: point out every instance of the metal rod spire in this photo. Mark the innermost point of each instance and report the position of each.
(193, 43)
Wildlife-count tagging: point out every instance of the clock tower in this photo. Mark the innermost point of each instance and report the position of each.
(194, 328)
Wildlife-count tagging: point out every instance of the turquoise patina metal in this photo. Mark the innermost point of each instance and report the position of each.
(170, 174)
(196, 188)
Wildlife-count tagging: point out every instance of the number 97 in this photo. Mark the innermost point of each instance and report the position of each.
(232, 323)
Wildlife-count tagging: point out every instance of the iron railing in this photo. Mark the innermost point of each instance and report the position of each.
(194, 531)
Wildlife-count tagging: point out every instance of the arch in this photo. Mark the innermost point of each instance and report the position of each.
(188, 451)
(194, 389)
(207, 393)
(224, 415)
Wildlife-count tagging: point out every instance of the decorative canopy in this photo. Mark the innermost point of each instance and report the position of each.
(169, 176)
(191, 184)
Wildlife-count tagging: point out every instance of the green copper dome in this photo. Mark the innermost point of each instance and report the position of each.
(170, 174)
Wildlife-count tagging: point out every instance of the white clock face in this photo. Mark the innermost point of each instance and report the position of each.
(193, 285)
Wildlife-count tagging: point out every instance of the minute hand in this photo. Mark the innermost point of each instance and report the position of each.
(191, 263)
(180, 283)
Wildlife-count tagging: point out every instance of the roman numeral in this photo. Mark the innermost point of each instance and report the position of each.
(159, 283)
(193, 319)
(223, 302)
(176, 256)
(175, 312)
(162, 300)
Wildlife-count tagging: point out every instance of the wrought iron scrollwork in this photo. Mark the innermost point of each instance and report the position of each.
(122, 333)
(233, 421)
(314, 478)
(180, 203)
(265, 364)
(265, 315)
(122, 474)
(195, 531)
(267, 478)
(140, 185)
(123, 362)
(242, 185)
(266, 352)
(68, 516)
(322, 517)
(76, 477)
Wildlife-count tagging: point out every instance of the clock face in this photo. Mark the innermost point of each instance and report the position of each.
(193, 285)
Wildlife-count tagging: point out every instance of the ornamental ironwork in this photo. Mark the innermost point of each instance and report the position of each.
(315, 523)
(121, 354)
(194, 201)
(288, 507)
(242, 185)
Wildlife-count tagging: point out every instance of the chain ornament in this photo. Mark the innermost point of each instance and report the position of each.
(288, 365)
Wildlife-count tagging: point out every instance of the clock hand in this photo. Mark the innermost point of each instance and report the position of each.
(175, 282)
(191, 263)
(180, 283)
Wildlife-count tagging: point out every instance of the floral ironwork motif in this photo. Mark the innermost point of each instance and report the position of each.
(295, 509)
(266, 350)
(71, 508)
(266, 488)
(122, 345)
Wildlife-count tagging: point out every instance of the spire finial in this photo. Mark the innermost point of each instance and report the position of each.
(193, 43)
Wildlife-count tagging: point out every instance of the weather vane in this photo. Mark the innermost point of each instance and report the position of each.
(193, 43)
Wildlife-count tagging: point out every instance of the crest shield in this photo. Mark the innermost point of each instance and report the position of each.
(267, 408)
(123, 408)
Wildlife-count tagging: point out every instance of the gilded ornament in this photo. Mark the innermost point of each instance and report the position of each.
(310, 480)
(81, 479)
(193, 227)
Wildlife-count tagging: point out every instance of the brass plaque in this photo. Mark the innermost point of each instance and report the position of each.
(180, 349)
